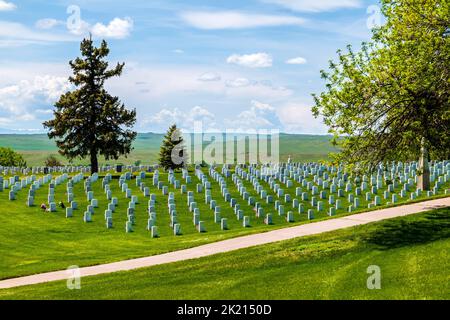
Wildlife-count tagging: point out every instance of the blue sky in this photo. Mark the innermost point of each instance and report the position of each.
(230, 64)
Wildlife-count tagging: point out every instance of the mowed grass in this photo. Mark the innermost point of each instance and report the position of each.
(34, 241)
(413, 254)
(35, 148)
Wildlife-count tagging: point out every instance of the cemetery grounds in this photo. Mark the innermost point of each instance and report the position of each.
(36, 241)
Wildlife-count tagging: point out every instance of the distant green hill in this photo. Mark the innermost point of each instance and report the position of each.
(36, 147)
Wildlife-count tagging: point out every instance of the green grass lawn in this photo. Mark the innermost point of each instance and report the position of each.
(413, 254)
(33, 241)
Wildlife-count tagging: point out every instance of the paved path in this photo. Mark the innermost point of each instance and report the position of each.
(236, 243)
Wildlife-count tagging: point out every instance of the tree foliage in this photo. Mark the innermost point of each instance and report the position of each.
(173, 153)
(381, 101)
(89, 121)
(10, 158)
(52, 161)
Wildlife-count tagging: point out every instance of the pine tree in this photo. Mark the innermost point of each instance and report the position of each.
(89, 121)
(173, 153)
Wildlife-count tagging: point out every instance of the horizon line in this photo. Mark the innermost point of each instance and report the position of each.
(24, 133)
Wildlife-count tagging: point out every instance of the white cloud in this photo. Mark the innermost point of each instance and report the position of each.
(48, 23)
(163, 85)
(298, 60)
(12, 33)
(200, 114)
(165, 117)
(262, 107)
(211, 20)
(239, 82)
(256, 89)
(163, 82)
(296, 117)
(316, 5)
(7, 6)
(169, 83)
(117, 28)
(82, 28)
(19, 101)
(210, 76)
(16, 34)
(5, 121)
(262, 89)
(183, 119)
(178, 51)
(259, 116)
(255, 60)
(15, 72)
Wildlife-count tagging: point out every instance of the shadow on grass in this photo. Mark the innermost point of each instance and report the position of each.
(432, 226)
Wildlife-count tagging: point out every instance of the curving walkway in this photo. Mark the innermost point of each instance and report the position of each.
(236, 243)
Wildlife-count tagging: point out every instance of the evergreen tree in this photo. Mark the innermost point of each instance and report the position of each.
(173, 153)
(89, 121)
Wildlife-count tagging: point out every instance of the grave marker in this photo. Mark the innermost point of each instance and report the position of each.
(224, 224)
(154, 232)
(129, 227)
(87, 217)
(109, 223)
(246, 222)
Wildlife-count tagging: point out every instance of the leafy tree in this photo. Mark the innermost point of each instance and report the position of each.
(10, 158)
(89, 121)
(173, 153)
(382, 101)
(52, 161)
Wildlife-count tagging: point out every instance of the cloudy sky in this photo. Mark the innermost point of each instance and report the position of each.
(230, 64)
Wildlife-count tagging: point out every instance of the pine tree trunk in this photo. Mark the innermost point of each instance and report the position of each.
(94, 161)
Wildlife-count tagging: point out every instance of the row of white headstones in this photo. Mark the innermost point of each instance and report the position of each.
(252, 175)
